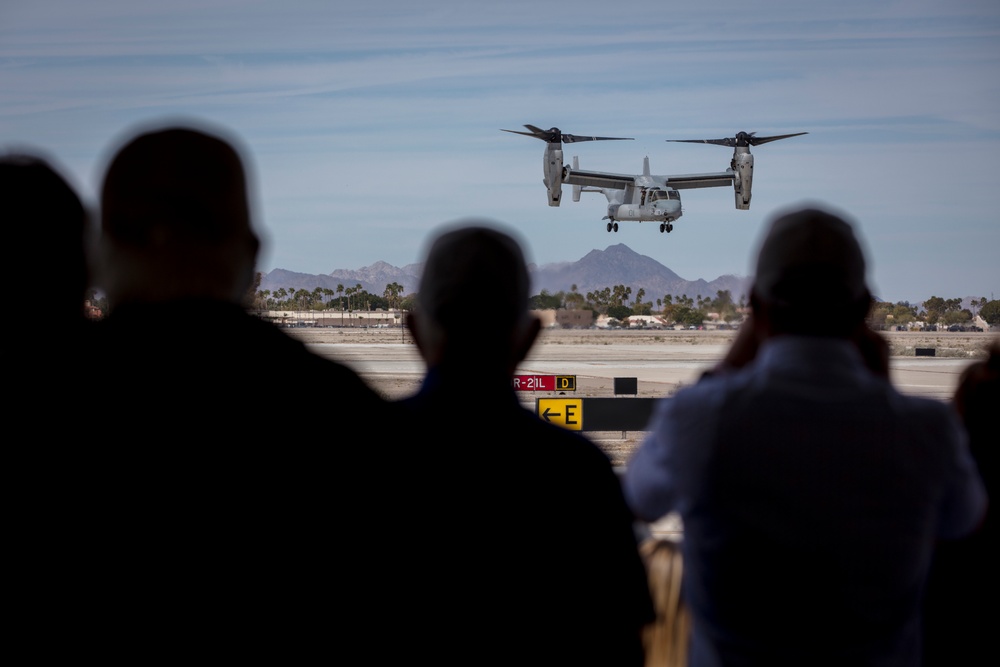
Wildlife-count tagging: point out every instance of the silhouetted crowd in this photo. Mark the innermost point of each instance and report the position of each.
(204, 487)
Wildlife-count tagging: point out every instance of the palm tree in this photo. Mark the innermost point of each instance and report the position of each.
(357, 290)
(302, 298)
(340, 291)
(391, 294)
(620, 295)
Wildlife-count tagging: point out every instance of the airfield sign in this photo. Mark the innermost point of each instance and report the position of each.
(544, 383)
(565, 412)
(597, 414)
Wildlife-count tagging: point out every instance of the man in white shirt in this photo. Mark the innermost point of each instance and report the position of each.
(811, 491)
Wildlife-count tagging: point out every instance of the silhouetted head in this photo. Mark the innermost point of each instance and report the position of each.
(46, 228)
(473, 299)
(175, 219)
(810, 275)
(976, 399)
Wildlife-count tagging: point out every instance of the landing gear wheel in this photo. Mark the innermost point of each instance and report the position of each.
(609, 226)
(615, 227)
(663, 228)
(670, 227)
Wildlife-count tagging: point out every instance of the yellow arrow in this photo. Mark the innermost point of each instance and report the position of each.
(565, 412)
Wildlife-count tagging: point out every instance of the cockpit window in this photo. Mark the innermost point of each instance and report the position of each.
(658, 194)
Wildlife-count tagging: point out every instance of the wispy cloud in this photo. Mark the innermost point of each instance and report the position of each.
(370, 124)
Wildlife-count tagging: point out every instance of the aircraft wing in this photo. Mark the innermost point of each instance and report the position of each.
(603, 179)
(597, 179)
(690, 181)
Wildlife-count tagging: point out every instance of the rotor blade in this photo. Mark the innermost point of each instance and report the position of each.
(717, 142)
(554, 135)
(572, 138)
(741, 139)
(527, 134)
(757, 141)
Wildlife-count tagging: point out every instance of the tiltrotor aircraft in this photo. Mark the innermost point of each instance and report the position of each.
(644, 197)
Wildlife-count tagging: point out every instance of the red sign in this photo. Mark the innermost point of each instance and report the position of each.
(544, 383)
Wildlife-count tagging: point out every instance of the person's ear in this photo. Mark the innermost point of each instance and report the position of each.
(242, 265)
(863, 306)
(413, 325)
(427, 339)
(525, 338)
(760, 317)
(755, 302)
(253, 248)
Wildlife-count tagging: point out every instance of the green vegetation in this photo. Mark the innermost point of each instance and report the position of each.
(616, 303)
(990, 311)
(672, 309)
(340, 299)
(934, 312)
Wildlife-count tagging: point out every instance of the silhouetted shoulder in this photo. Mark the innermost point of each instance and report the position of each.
(213, 365)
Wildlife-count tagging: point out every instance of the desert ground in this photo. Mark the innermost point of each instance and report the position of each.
(662, 362)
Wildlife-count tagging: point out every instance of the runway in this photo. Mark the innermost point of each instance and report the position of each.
(397, 368)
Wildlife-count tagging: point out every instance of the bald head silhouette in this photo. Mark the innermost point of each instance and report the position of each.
(175, 218)
(472, 302)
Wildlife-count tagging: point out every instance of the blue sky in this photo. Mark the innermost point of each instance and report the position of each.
(369, 125)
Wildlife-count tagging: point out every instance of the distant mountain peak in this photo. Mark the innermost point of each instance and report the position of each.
(617, 264)
(377, 267)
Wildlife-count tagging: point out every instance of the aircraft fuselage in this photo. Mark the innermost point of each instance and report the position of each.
(644, 204)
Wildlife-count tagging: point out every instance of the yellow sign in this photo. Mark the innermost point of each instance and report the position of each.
(565, 412)
(565, 383)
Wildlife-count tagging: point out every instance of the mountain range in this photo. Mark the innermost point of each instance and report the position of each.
(615, 265)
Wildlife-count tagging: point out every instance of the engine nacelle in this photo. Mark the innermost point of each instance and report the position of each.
(743, 177)
(553, 172)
